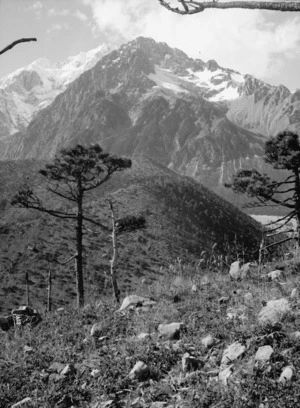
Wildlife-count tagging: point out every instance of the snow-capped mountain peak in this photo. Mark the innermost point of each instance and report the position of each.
(29, 89)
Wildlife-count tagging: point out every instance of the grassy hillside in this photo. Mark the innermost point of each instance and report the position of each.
(97, 372)
(183, 219)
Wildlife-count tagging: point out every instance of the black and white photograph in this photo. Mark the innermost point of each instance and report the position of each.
(149, 204)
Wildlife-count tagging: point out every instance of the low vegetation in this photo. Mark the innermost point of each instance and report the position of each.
(97, 373)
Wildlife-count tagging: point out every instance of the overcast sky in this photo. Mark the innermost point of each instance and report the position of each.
(264, 44)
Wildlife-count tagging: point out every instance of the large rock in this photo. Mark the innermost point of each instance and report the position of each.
(274, 311)
(133, 301)
(170, 331)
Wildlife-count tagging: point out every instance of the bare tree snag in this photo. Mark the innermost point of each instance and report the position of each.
(114, 255)
(49, 306)
(27, 288)
(193, 7)
(10, 46)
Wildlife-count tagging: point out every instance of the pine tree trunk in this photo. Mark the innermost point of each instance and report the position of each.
(79, 258)
(49, 306)
(114, 256)
(27, 288)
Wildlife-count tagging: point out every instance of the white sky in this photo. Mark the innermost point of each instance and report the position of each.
(263, 43)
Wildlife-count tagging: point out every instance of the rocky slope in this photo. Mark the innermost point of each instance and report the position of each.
(147, 98)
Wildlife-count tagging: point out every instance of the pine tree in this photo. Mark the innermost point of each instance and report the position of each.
(73, 173)
(282, 152)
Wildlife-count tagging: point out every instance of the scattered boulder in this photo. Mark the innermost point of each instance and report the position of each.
(286, 374)
(263, 354)
(274, 311)
(239, 270)
(194, 288)
(208, 341)
(234, 351)
(234, 271)
(295, 335)
(189, 363)
(143, 336)
(225, 374)
(170, 331)
(56, 367)
(68, 369)
(134, 301)
(274, 275)
(98, 328)
(295, 293)
(139, 372)
(95, 373)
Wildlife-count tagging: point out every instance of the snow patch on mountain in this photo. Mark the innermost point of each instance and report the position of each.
(27, 90)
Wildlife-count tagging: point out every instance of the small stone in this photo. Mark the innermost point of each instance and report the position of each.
(208, 341)
(56, 367)
(274, 275)
(205, 280)
(264, 353)
(133, 301)
(95, 373)
(100, 327)
(286, 375)
(143, 336)
(234, 351)
(234, 271)
(225, 374)
(139, 372)
(22, 402)
(170, 331)
(295, 293)
(248, 299)
(194, 288)
(295, 335)
(189, 363)
(68, 369)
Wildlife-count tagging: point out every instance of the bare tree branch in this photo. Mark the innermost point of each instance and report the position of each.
(10, 46)
(193, 7)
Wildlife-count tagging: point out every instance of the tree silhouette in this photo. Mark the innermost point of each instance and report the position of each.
(21, 40)
(73, 173)
(193, 7)
(282, 152)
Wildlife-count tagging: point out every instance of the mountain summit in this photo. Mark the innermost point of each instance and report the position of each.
(147, 98)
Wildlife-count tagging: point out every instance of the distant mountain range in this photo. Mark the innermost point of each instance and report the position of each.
(146, 98)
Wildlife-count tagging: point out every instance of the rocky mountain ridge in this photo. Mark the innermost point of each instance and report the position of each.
(149, 99)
